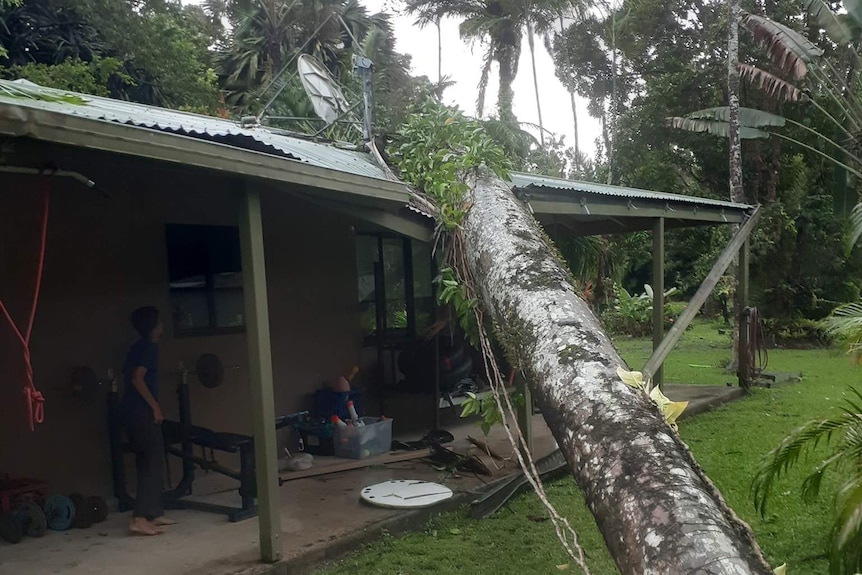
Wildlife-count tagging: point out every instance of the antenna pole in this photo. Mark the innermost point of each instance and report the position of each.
(362, 67)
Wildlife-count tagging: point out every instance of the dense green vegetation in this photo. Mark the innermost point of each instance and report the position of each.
(728, 442)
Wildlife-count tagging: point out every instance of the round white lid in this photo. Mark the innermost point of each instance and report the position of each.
(405, 493)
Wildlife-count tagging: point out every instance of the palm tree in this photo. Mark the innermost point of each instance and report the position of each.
(497, 25)
(269, 34)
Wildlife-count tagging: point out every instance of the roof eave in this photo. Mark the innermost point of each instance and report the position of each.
(65, 129)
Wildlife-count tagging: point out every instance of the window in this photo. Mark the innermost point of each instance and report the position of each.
(395, 287)
(205, 278)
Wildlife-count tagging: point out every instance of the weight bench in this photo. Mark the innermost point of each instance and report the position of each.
(181, 437)
(181, 445)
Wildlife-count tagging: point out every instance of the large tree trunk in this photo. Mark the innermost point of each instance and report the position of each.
(656, 509)
(737, 193)
(506, 57)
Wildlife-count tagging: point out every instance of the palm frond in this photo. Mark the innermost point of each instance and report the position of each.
(487, 60)
(787, 48)
(837, 31)
(845, 323)
(715, 128)
(855, 224)
(772, 85)
(798, 443)
(748, 117)
(811, 484)
(854, 10)
(845, 554)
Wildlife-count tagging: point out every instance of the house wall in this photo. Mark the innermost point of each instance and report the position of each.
(107, 256)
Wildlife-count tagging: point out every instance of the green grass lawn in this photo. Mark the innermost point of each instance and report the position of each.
(728, 443)
(699, 357)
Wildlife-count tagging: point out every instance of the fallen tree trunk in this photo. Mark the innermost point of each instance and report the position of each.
(657, 511)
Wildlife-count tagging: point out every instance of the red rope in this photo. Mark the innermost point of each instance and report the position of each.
(35, 400)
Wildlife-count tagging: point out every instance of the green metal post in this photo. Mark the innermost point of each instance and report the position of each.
(742, 299)
(658, 292)
(260, 375)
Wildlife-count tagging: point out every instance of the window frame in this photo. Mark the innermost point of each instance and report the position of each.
(383, 334)
(212, 328)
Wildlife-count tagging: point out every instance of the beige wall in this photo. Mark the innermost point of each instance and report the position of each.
(106, 256)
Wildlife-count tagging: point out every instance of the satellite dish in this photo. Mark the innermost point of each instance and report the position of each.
(324, 92)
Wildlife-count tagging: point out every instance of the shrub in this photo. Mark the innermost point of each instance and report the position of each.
(796, 332)
(632, 314)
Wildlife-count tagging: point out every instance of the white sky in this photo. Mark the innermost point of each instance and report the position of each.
(463, 66)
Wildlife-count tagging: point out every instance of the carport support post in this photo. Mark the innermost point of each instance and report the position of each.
(658, 292)
(260, 375)
(742, 295)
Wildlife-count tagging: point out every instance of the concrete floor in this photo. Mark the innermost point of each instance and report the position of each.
(317, 515)
(321, 517)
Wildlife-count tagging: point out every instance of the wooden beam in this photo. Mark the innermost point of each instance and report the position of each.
(658, 292)
(352, 464)
(744, 319)
(260, 375)
(684, 320)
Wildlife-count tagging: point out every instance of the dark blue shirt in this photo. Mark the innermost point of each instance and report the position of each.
(145, 354)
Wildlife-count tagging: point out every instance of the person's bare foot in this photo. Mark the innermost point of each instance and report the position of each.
(140, 526)
(163, 521)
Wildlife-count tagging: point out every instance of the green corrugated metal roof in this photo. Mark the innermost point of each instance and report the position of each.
(523, 181)
(258, 139)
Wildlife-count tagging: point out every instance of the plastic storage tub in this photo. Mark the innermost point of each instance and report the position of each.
(374, 438)
(317, 438)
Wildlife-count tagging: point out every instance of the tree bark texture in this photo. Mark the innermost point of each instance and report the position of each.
(737, 194)
(658, 512)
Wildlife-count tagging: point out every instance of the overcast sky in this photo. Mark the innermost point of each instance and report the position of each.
(463, 66)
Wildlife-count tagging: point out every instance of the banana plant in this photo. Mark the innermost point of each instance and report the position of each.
(807, 72)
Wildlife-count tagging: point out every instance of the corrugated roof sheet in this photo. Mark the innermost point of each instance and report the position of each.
(521, 180)
(257, 139)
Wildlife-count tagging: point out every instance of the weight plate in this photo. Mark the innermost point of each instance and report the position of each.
(210, 370)
(98, 508)
(32, 519)
(59, 512)
(83, 515)
(10, 529)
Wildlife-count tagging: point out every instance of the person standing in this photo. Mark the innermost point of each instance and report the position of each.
(142, 417)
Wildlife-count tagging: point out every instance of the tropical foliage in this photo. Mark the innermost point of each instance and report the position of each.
(155, 52)
(842, 434)
(631, 314)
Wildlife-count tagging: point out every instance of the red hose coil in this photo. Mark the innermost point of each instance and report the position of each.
(35, 400)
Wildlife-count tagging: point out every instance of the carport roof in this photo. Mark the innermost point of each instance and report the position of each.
(586, 208)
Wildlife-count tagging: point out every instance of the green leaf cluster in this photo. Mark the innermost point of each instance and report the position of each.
(435, 148)
(452, 292)
(486, 409)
